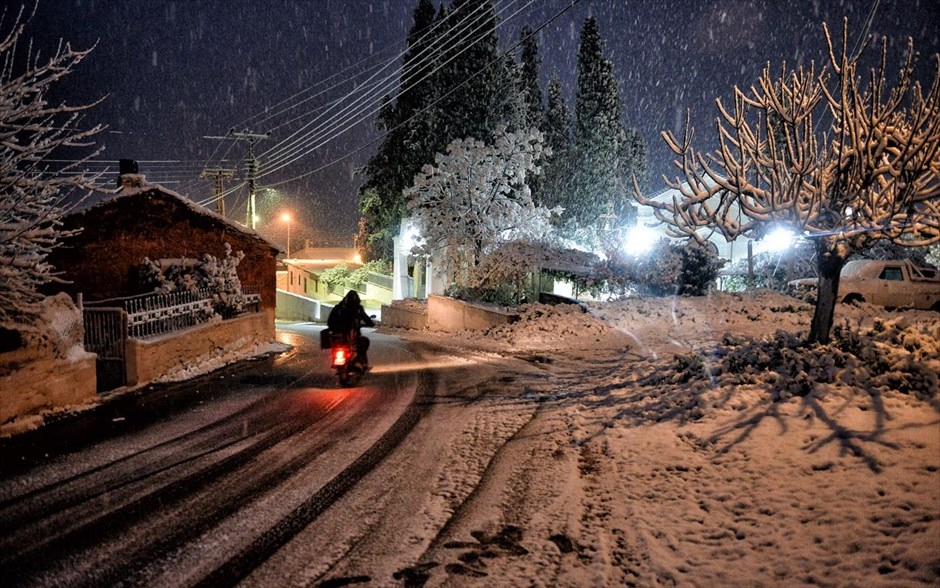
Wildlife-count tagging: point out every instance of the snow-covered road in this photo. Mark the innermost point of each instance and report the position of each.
(211, 493)
(644, 442)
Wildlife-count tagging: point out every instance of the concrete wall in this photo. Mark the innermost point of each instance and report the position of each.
(404, 318)
(378, 293)
(148, 359)
(292, 307)
(447, 314)
(35, 381)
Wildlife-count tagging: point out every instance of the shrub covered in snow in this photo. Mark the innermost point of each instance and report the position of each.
(686, 268)
(890, 356)
(219, 276)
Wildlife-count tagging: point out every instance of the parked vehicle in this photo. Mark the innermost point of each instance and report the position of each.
(890, 283)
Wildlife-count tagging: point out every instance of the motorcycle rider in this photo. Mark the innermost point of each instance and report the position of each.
(346, 320)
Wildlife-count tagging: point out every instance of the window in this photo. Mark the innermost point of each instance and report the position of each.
(892, 273)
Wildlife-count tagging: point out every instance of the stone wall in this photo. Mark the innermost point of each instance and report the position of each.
(149, 359)
(35, 381)
(403, 318)
(450, 315)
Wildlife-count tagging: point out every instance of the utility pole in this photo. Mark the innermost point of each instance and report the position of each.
(219, 175)
(251, 167)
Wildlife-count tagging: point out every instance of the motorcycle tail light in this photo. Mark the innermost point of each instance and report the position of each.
(339, 356)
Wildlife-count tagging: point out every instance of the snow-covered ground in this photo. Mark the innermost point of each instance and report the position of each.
(695, 441)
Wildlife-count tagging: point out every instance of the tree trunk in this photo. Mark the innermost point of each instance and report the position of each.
(829, 265)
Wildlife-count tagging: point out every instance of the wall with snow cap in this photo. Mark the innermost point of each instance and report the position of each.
(149, 359)
(53, 370)
(403, 318)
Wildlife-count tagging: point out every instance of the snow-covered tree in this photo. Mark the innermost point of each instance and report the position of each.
(860, 161)
(476, 197)
(216, 275)
(34, 194)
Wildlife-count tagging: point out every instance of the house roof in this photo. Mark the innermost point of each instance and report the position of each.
(157, 190)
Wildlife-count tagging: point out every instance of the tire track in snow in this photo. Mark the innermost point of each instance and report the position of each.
(244, 562)
(83, 487)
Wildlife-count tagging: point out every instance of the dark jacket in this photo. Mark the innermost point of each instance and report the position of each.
(348, 316)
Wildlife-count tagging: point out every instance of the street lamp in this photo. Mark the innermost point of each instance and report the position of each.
(286, 218)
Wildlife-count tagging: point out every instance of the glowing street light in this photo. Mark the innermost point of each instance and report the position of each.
(780, 239)
(640, 239)
(286, 218)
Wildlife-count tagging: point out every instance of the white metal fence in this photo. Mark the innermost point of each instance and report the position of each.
(151, 315)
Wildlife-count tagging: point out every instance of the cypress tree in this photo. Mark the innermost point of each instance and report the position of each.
(407, 145)
(471, 41)
(557, 131)
(531, 88)
(601, 143)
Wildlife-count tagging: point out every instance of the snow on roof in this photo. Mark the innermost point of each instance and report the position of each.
(126, 192)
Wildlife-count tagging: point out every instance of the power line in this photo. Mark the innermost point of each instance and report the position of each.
(281, 161)
(426, 108)
(288, 145)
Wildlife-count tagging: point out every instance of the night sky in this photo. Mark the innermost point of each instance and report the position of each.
(174, 72)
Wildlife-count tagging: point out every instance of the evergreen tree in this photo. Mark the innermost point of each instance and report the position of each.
(600, 164)
(471, 45)
(531, 88)
(557, 131)
(634, 163)
(408, 144)
(509, 107)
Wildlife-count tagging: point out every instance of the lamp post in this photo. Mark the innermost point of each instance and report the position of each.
(286, 218)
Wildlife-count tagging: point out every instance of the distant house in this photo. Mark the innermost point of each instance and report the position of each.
(303, 270)
(105, 259)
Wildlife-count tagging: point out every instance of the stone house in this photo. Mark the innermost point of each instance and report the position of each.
(105, 259)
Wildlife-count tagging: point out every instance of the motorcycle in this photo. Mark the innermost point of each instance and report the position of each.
(344, 358)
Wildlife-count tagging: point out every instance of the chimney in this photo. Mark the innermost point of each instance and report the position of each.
(128, 175)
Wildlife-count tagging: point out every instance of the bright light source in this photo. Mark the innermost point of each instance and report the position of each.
(285, 217)
(256, 218)
(640, 239)
(357, 258)
(779, 239)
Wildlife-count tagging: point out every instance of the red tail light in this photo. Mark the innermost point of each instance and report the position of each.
(339, 356)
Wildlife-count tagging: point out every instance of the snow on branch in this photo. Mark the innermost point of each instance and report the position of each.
(823, 152)
(476, 197)
(35, 193)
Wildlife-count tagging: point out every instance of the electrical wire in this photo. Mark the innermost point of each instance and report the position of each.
(289, 144)
(429, 106)
(322, 139)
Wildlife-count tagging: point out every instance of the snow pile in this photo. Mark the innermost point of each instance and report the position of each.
(891, 356)
(411, 304)
(543, 326)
